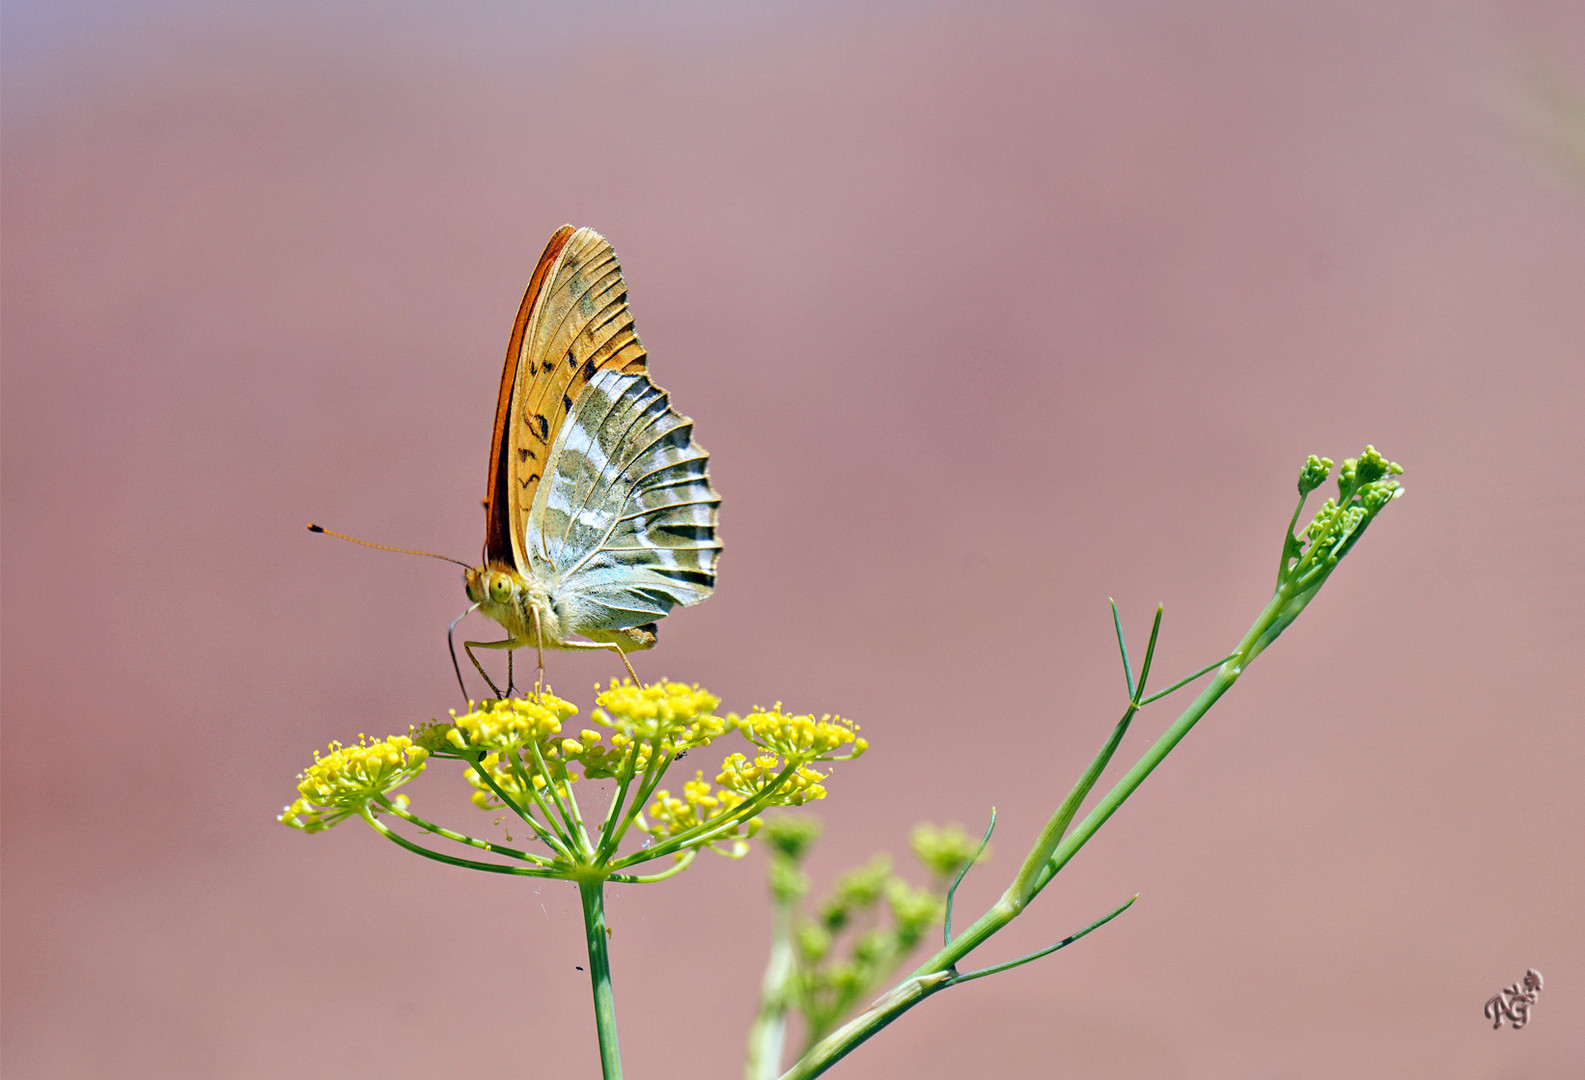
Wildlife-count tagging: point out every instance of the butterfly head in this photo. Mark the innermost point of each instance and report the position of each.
(492, 586)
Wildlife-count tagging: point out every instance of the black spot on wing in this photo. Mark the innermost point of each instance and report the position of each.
(688, 532)
(677, 573)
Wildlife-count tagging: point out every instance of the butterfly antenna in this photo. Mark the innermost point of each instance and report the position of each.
(386, 547)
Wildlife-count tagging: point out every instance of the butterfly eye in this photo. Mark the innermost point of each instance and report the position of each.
(500, 588)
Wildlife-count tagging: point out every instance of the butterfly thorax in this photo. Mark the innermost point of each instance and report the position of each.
(522, 605)
(534, 612)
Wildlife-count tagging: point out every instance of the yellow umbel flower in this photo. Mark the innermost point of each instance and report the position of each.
(510, 723)
(802, 738)
(348, 778)
(699, 806)
(669, 815)
(749, 778)
(679, 716)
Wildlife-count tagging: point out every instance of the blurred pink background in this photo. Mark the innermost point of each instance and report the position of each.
(984, 315)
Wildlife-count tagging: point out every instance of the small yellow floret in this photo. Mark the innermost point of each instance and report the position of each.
(350, 777)
(669, 815)
(802, 738)
(749, 778)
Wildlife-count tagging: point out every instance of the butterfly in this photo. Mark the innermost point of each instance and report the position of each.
(599, 514)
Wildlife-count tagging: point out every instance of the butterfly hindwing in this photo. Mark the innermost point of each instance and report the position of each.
(627, 518)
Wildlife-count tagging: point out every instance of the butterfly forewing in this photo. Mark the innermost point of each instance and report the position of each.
(574, 323)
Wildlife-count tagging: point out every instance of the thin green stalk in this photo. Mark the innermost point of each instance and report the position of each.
(571, 827)
(606, 843)
(545, 833)
(767, 1036)
(940, 971)
(397, 838)
(708, 831)
(593, 895)
(654, 773)
(461, 838)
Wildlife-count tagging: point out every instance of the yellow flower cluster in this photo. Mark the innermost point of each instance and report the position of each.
(748, 778)
(348, 778)
(802, 738)
(510, 723)
(680, 716)
(698, 806)
(603, 762)
(520, 752)
(510, 780)
(670, 815)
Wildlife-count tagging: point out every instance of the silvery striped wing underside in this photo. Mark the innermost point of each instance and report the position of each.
(623, 525)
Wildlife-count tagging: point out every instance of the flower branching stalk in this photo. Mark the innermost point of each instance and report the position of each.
(1366, 485)
(824, 963)
(521, 760)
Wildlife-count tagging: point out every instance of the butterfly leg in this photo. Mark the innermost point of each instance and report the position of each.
(539, 653)
(613, 646)
(509, 643)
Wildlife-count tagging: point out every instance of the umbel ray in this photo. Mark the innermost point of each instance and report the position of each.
(599, 514)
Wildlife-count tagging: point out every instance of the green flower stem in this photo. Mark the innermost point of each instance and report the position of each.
(843, 1041)
(593, 895)
(571, 829)
(616, 821)
(767, 1036)
(461, 838)
(659, 762)
(544, 832)
(708, 831)
(940, 971)
(1024, 885)
(390, 834)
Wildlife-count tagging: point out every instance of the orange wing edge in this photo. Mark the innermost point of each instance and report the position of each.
(497, 526)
